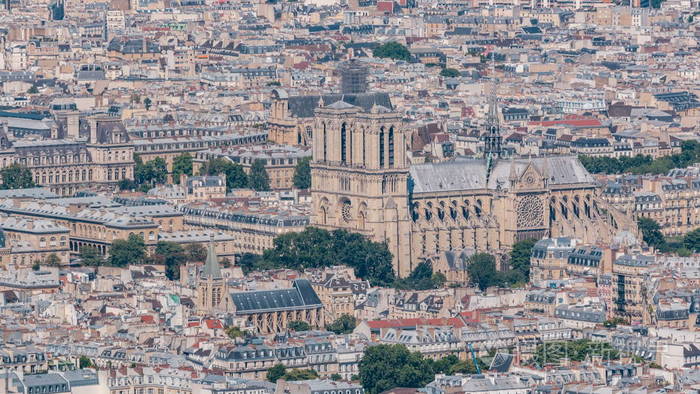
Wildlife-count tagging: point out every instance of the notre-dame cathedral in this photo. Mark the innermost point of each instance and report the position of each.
(362, 181)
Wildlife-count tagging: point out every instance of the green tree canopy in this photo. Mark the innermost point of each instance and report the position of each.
(90, 256)
(651, 232)
(643, 164)
(172, 256)
(147, 103)
(195, 252)
(52, 260)
(127, 251)
(84, 362)
(182, 165)
(692, 240)
(392, 50)
(16, 176)
(258, 179)
(302, 173)
(236, 178)
(482, 271)
(315, 248)
(384, 367)
(151, 173)
(449, 72)
(234, 332)
(275, 373)
(345, 324)
(520, 258)
(33, 89)
(299, 325)
(579, 350)
(300, 374)
(422, 278)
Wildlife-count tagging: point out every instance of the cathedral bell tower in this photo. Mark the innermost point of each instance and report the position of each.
(359, 176)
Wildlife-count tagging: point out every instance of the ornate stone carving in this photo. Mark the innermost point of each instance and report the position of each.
(530, 211)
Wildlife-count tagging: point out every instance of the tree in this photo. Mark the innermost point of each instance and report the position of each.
(172, 256)
(84, 362)
(236, 178)
(258, 179)
(195, 252)
(300, 374)
(579, 350)
(392, 50)
(336, 377)
(345, 324)
(153, 172)
(52, 260)
(422, 278)
(127, 251)
(234, 332)
(449, 73)
(482, 271)
(651, 232)
(692, 240)
(90, 256)
(520, 257)
(127, 184)
(182, 165)
(315, 248)
(451, 365)
(384, 367)
(275, 373)
(33, 89)
(147, 103)
(534, 21)
(298, 325)
(36, 266)
(16, 176)
(302, 173)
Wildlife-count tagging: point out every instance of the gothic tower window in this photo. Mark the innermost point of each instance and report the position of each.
(381, 148)
(391, 146)
(325, 142)
(343, 143)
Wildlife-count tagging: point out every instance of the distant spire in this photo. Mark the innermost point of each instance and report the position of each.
(212, 270)
(492, 142)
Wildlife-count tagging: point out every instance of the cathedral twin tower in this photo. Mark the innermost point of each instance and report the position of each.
(359, 175)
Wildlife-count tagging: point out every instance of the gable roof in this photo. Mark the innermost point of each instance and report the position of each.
(300, 296)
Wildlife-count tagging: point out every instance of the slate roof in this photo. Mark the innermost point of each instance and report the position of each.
(470, 174)
(211, 266)
(304, 106)
(300, 296)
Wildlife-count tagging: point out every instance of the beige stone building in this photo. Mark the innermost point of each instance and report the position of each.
(360, 182)
(71, 163)
(31, 240)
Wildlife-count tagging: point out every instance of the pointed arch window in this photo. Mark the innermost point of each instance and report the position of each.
(343, 143)
(391, 146)
(381, 147)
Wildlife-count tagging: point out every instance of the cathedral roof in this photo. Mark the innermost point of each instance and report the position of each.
(304, 106)
(340, 104)
(470, 174)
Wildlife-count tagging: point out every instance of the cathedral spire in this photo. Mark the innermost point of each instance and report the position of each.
(212, 270)
(492, 141)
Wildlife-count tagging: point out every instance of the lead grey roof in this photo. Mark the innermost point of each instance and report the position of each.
(304, 106)
(301, 296)
(470, 174)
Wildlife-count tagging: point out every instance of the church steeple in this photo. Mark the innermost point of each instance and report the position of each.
(212, 270)
(492, 141)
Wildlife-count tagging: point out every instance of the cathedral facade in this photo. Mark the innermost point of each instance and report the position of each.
(362, 181)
